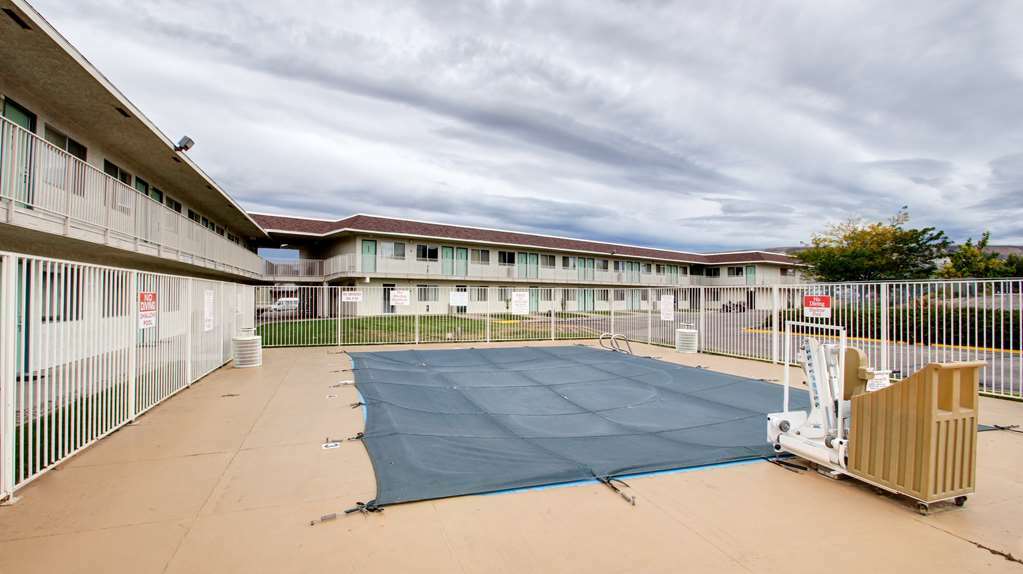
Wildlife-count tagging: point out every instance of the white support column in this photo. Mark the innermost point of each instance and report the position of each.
(490, 295)
(133, 360)
(774, 324)
(613, 309)
(8, 350)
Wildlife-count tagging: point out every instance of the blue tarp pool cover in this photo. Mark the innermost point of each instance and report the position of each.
(466, 421)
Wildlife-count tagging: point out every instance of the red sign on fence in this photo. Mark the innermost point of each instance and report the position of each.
(147, 309)
(817, 306)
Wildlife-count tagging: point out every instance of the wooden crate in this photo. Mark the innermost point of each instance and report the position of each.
(919, 436)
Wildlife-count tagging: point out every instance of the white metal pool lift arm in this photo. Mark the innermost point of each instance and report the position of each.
(820, 434)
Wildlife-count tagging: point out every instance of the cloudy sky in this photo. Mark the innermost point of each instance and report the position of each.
(689, 125)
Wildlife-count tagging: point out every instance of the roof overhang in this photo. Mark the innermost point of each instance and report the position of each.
(42, 63)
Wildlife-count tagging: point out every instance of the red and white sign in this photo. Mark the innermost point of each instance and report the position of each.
(817, 306)
(147, 309)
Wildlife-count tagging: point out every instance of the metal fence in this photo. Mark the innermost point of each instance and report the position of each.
(901, 326)
(86, 349)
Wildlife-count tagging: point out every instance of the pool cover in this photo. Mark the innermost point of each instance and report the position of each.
(452, 422)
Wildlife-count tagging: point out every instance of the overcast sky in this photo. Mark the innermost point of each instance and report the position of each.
(703, 125)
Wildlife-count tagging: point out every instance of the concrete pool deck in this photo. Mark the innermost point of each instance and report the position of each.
(227, 475)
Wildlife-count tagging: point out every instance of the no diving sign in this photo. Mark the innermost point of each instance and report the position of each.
(817, 306)
(147, 309)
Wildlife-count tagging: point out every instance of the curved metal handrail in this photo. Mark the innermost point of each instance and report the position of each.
(618, 346)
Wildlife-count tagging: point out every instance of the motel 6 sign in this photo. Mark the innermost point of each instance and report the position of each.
(817, 306)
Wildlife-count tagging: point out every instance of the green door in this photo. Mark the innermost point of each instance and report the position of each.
(534, 299)
(447, 260)
(522, 265)
(751, 274)
(673, 274)
(16, 178)
(369, 256)
(533, 268)
(461, 261)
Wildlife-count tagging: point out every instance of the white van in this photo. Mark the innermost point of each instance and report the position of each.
(285, 304)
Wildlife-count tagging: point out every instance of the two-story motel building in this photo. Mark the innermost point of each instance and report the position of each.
(85, 176)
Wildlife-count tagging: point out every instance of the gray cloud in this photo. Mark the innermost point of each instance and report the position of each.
(678, 125)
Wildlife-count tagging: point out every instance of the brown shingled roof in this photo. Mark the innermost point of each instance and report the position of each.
(386, 225)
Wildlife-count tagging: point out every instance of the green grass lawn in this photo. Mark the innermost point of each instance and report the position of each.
(432, 328)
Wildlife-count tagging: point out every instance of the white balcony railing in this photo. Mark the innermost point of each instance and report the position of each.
(44, 187)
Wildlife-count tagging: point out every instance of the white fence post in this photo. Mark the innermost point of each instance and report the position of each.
(884, 325)
(8, 350)
(701, 338)
(490, 295)
(338, 315)
(650, 315)
(775, 315)
(553, 313)
(133, 359)
(417, 327)
(188, 331)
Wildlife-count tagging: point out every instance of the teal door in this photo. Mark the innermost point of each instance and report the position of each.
(369, 256)
(533, 268)
(16, 178)
(673, 274)
(462, 261)
(586, 300)
(534, 299)
(527, 265)
(632, 299)
(584, 266)
(751, 274)
(447, 260)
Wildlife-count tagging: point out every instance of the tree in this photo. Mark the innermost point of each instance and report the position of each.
(858, 251)
(974, 260)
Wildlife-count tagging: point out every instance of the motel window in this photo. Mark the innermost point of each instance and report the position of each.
(644, 295)
(546, 294)
(568, 294)
(548, 261)
(567, 262)
(788, 272)
(619, 266)
(219, 230)
(504, 294)
(172, 203)
(156, 194)
(713, 295)
(426, 252)
(698, 271)
(713, 272)
(478, 294)
(194, 216)
(646, 268)
(62, 141)
(19, 115)
(506, 258)
(602, 265)
(659, 269)
(142, 186)
(111, 169)
(428, 293)
(392, 249)
(602, 294)
(479, 257)
(619, 294)
(735, 271)
(683, 270)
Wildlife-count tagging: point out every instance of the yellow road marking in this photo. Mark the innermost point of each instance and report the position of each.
(871, 340)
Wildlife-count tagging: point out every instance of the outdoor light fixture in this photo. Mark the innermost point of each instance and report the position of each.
(184, 144)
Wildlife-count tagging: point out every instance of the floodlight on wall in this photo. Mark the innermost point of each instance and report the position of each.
(184, 144)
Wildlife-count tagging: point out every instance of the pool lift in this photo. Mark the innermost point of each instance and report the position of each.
(821, 435)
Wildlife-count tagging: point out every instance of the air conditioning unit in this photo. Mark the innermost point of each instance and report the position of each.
(687, 340)
(248, 349)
